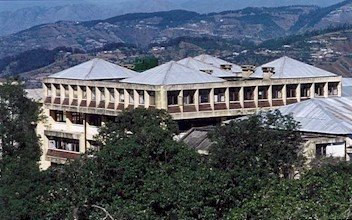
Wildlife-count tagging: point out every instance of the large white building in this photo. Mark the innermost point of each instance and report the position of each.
(195, 91)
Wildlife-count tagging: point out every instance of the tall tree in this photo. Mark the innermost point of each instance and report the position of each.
(20, 153)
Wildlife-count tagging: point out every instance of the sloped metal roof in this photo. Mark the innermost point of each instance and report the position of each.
(197, 139)
(323, 115)
(172, 73)
(199, 65)
(286, 68)
(347, 87)
(217, 62)
(95, 69)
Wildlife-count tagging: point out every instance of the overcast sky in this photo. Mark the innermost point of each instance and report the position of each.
(204, 5)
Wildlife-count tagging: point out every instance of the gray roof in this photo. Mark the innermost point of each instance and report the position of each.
(95, 69)
(286, 68)
(35, 94)
(323, 115)
(199, 65)
(172, 73)
(197, 139)
(217, 62)
(347, 87)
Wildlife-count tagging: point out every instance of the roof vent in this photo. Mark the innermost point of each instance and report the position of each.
(268, 72)
(208, 71)
(247, 70)
(226, 67)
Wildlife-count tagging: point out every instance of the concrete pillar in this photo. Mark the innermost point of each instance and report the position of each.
(89, 95)
(339, 89)
(312, 91)
(270, 95)
(117, 98)
(241, 96)
(146, 99)
(298, 92)
(136, 98)
(196, 99)
(127, 97)
(62, 93)
(256, 96)
(227, 97)
(107, 97)
(284, 94)
(211, 98)
(161, 98)
(180, 100)
(326, 90)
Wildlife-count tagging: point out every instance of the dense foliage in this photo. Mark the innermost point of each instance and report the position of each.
(145, 63)
(19, 152)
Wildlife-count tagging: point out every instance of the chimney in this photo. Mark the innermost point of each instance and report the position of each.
(247, 70)
(268, 72)
(208, 71)
(226, 67)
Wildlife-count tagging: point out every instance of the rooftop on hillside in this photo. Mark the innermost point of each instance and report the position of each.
(217, 62)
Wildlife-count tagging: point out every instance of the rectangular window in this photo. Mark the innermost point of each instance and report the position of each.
(319, 89)
(333, 88)
(102, 93)
(234, 94)
(249, 93)
(204, 95)
(75, 92)
(172, 97)
(84, 92)
(111, 95)
(291, 91)
(277, 92)
(305, 90)
(93, 93)
(94, 120)
(263, 92)
(219, 95)
(57, 90)
(188, 97)
(121, 95)
(58, 116)
(63, 144)
(130, 96)
(76, 118)
(151, 97)
(320, 150)
(141, 97)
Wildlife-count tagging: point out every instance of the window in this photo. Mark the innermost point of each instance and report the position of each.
(319, 89)
(57, 90)
(263, 92)
(204, 96)
(320, 150)
(48, 90)
(249, 93)
(84, 92)
(111, 95)
(67, 91)
(75, 92)
(305, 90)
(291, 91)
(277, 92)
(93, 92)
(151, 97)
(63, 144)
(219, 95)
(333, 88)
(58, 116)
(76, 118)
(172, 97)
(102, 94)
(234, 94)
(121, 95)
(130, 96)
(141, 97)
(188, 97)
(94, 120)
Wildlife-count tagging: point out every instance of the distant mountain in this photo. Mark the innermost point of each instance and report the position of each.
(142, 29)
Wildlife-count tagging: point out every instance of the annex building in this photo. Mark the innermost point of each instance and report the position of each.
(196, 91)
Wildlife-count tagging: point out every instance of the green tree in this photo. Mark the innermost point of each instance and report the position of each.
(20, 153)
(145, 63)
(322, 193)
(141, 172)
